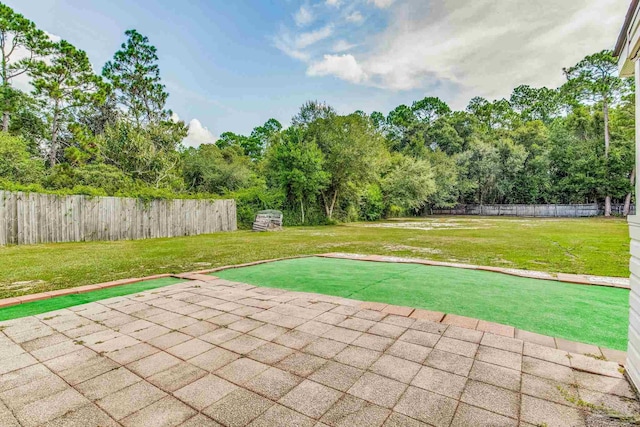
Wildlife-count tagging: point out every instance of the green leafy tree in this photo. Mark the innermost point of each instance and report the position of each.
(408, 184)
(536, 103)
(135, 76)
(352, 150)
(17, 164)
(295, 164)
(210, 169)
(595, 79)
(64, 84)
(429, 109)
(312, 111)
(18, 36)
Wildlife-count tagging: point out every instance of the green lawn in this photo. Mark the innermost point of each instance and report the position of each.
(591, 246)
(591, 314)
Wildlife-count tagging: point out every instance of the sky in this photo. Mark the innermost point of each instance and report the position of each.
(231, 65)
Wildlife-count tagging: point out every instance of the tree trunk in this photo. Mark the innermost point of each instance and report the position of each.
(54, 138)
(605, 111)
(302, 210)
(328, 207)
(627, 200)
(5, 121)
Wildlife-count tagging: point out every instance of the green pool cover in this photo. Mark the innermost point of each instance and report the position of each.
(57, 303)
(590, 314)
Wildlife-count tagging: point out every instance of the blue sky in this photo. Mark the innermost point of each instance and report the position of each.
(231, 65)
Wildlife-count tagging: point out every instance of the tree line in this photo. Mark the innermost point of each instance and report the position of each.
(111, 133)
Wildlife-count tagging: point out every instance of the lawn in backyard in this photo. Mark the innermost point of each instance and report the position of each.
(589, 246)
(591, 314)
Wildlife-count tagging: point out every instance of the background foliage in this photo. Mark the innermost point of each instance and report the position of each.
(111, 133)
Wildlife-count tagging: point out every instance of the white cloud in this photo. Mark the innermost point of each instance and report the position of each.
(343, 66)
(312, 37)
(198, 135)
(335, 3)
(477, 47)
(304, 16)
(294, 45)
(382, 4)
(355, 17)
(342, 45)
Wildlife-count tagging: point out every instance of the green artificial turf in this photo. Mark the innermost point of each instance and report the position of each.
(590, 314)
(57, 303)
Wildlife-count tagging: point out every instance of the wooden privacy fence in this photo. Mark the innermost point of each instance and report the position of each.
(27, 218)
(551, 210)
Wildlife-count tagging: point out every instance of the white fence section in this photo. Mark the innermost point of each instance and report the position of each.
(545, 211)
(27, 218)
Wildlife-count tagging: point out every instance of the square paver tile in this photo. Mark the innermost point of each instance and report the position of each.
(377, 389)
(166, 412)
(387, 330)
(396, 419)
(357, 356)
(273, 383)
(462, 348)
(547, 389)
(467, 415)
(549, 370)
(503, 343)
(343, 335)
(84, 416)
(130, 399)
(406, 350)
(323, 347)
(153, 364)
(393, 367)
(311, 399)
(270, 353)
(491, 398)
(496, 375)
(238, 408)
(242, 370)
(373, 342)
(281, 416)
(357, 324)
(351, 411)
(301, 364)
(205, 391)
(540, 412)
(107, 383)
(426, 339)
(131, 354)
(426, 406)
(295, 339)
(463, 334)
(243, 344)
(314, 327)
(219, 336)
(177, 376)
(336, 375)
(268, 332)
(440, 382)
(499, 357)
(169, 340)
(213, 359)
(49, 408)
(189, 349)
(245, 325)
(449, 362)
(548, 354)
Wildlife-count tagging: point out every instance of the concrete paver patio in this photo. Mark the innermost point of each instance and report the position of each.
(213, 352)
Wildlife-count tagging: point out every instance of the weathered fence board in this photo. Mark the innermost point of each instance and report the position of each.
(542, 211)
(27, 218)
